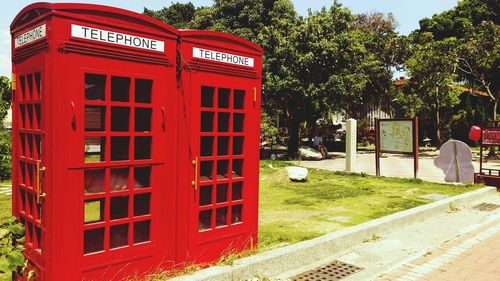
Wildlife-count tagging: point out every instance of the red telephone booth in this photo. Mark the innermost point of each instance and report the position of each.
(95, 116)
(219, 136)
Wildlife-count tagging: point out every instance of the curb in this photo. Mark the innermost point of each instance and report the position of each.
(288, 258)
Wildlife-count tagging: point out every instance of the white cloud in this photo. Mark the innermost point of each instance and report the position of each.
(5, 65)
(5, 37)
(5, 61)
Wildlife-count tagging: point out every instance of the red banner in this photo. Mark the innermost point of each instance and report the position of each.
(491, 136)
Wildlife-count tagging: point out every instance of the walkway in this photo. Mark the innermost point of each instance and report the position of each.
(391, 166)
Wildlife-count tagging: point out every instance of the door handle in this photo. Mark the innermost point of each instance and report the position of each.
(194, 183)
(73, 118)
(163, 118)
(39, 174)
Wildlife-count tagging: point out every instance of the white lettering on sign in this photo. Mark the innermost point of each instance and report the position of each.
(222, 57)
(30, 36)
(112, 37)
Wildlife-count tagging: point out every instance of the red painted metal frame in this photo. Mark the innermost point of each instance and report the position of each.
(414, 153)
(52, 133)
(490, 136)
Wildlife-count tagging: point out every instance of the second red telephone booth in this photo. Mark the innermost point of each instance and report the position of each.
(219, 136)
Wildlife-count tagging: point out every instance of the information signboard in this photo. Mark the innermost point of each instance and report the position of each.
(397, 136)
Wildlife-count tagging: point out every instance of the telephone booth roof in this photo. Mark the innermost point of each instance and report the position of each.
(222, 40)
(106, 13)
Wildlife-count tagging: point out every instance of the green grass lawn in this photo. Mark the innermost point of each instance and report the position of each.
(291, 212)
(5, 202)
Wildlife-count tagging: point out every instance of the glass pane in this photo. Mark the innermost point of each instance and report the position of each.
(207, 122)
(94, 149)
(120, 119)
(223, 98)
(118, 236)
(22, 115)
(222, 146)
(95, 86)
(22, 142)
(237, 168)
(237, 191)
(93, 211)
(93, 180)
(38, 115)
(141, 231)
(206, 195)
(119, 148)
(223, 122)
(30, 124)
(142, 177)
(205, 220)
(239, 99)
(222, 193)
(143, 89)
(221, 217)
(143, 120)
(38, 84)
(222, 168)
(94, 118)
(30, 84)
(237, 145)
(22, 81)
(142, 204)
(142, 148)
(120, 88)
(118, 207)
(207, 96)
(206, 170)
(118, 179)
(206, 146)
(93, 240)
(236, 214)
(238, 122)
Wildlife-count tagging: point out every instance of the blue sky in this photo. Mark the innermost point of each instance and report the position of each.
(407, 13)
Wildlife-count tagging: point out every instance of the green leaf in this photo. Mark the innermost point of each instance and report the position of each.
(17, 229)
(15, 258)
(4, 265)
(3, 232)
(31, 274)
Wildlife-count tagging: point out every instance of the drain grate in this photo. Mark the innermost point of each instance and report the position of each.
(336, 270)
(486, 207)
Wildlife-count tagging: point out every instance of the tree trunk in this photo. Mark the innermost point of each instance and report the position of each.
(491, 153)
(294, 137)
(437, 124)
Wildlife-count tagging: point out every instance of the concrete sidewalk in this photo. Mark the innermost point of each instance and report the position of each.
(462, 244)
(391, 166)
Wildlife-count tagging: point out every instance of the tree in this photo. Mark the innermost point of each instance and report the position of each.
(178, 15)
(431, 69)
(5, 137)
(475, 24)
(385, 52)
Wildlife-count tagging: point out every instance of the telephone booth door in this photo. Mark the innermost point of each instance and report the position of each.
(224, 130)
(107, 97)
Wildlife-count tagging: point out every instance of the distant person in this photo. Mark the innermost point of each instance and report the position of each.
(318, 145)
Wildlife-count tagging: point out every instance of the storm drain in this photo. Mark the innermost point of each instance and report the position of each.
(336, 270)
(486, 207)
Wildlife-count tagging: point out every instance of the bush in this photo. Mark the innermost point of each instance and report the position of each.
(5, 155)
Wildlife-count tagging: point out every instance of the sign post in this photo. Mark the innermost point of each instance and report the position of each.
(397, 136)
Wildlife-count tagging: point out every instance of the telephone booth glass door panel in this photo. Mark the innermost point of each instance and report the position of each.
(117, 139)
(225, 122)
(29, 159)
